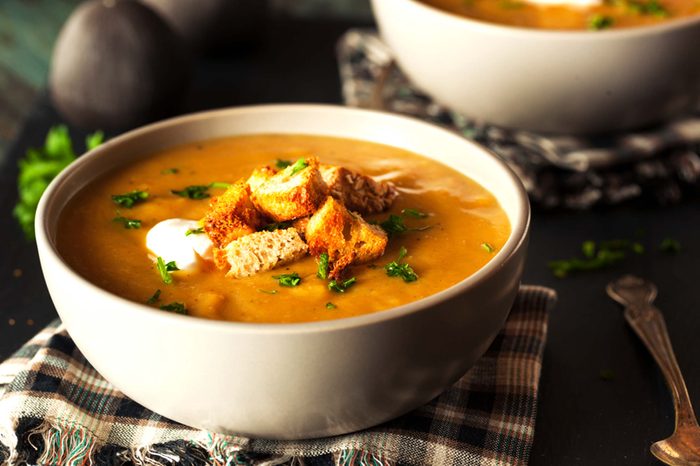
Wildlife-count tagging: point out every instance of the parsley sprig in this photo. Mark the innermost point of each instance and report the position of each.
(130, 199)
(175, 307)
(288, 279)
(128, 223)
(282, 164)
(199, 191)
(298, 166)
(322, 271)
(341, 286)
(401, 269)
(39, 167)
(165, 269)
(194, 231)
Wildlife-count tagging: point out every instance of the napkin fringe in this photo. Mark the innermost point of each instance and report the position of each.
(34, 441)
(354, 457)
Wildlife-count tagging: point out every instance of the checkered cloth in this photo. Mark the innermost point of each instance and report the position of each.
(661, 164)
(56, 409)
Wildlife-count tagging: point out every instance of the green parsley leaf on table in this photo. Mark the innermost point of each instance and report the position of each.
(38, 167)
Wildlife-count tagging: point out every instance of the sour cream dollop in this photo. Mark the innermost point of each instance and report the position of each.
(169, 240)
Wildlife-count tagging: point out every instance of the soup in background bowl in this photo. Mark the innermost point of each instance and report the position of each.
(544, 80)
(281, 380)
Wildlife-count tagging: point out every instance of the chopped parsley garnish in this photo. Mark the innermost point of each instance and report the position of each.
(298, 166)
(596, 256)
(128, 223)
(170, 171)
(600, 22)
(288, 279)
(219, 185)
(39, 166)
(487, 247)
(194, 231)
(395, 225)
(267, 291)
(330, 305)
(398, 269)
(322, 271)
(165, 269)
(128, 200)
(342, 286)
(415, 213)
(176, 307)
(195, 192)
(276, 226)
(155, 298)
(648, 7)
(282, 164)
(670, 246)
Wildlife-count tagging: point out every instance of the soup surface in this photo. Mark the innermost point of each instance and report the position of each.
(463, 229)
(606, 14)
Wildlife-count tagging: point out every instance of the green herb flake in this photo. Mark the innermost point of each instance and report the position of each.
(128, 223)
(342, 286)
(487, 247)
(330, 305)
(298, 166)
(36, 170)
(165, 269)
(393, 225)
(600, 22)
(398, 269)
(607, 375)
(194, 231)
(322, 271)
(155, 298)
(282, 164)
(670, 246)
(219, 185)
(130, 199)
(276, 226)
(194, 192)
(415, 213)
(288, 279)
(267, 291)
(94, 140)
(175, 307)
(588, 249)
(170, 171)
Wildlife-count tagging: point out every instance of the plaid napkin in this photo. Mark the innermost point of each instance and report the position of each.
(661, 163)
(56, 409)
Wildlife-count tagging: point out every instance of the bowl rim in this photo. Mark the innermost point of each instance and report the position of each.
(559, 34)
(47, 248)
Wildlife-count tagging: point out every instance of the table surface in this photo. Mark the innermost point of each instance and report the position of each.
(582, 419)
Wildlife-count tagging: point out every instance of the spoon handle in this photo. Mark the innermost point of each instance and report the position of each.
(648, 323)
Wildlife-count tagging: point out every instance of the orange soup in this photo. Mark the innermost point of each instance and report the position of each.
(453, 227)
(607, 14)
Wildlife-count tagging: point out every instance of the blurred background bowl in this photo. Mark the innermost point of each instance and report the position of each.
(575, 82)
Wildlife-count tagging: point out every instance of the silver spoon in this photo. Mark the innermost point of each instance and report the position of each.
(637, 295)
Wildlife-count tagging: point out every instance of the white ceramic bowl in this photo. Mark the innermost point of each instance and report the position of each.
(287, 381)
(573, 82)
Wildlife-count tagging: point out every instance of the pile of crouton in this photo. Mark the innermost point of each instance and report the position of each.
(277, 216)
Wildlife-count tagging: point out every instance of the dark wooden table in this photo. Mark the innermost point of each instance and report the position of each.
(582, 419)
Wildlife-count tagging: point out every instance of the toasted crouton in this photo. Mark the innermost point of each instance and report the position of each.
(263, 250)
(231, 215)
(344, 235)
(359, 193)
(289, 194)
